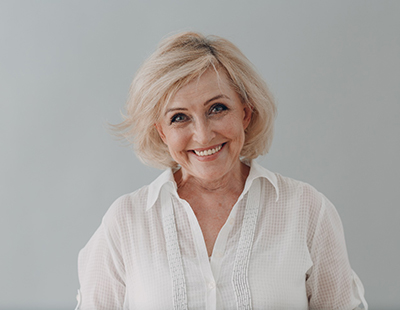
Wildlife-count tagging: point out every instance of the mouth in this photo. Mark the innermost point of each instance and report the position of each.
(210, 151)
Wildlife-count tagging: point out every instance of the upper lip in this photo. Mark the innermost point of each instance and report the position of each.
(207, 148)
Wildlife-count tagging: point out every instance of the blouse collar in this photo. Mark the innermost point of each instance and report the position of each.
(167, 179)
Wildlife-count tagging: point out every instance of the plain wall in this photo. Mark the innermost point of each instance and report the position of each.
(65, 70)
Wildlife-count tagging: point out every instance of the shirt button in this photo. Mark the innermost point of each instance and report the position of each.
(78, 299)
(211, 285)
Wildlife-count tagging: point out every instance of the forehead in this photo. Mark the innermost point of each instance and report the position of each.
(211, 83)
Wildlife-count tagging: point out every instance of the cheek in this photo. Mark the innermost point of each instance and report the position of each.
(233, 129)
(177, 141)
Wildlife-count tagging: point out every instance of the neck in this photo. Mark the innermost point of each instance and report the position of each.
(232, 182)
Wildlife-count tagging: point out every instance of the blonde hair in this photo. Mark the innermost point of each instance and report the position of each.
(177, 61)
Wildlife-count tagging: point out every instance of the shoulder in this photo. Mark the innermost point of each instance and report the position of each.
(305, 200)
(134, 207)
(303, 192)
(127, 207)
(289, 192)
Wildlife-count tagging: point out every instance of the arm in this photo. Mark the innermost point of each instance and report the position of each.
(101, 271)
(331, 283)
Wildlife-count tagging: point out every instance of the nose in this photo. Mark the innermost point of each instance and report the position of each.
(203, 132)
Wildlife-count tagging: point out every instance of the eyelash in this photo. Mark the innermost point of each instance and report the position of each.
(174, 118)
(220, 106)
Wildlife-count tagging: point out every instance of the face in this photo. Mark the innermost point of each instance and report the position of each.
(203, 126)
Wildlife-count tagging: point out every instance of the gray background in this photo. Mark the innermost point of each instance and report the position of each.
(65, 70)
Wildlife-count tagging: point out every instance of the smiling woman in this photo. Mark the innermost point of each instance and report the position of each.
(215, 230)
(182, 59)
(203, 127)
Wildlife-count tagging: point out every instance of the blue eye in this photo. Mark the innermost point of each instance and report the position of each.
(218, 108)
(178, 118)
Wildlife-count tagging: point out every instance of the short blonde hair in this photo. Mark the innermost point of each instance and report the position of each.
(178, 60)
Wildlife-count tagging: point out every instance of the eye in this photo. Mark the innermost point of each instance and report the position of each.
(178, 118)
(218, 108)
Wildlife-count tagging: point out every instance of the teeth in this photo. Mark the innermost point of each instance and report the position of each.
(208, 152)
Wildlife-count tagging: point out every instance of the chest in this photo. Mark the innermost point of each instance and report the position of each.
(274, 276)
(211, 215)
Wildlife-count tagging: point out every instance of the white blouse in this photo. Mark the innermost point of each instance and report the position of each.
(282, 247)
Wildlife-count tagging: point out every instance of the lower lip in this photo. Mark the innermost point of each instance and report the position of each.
(209, 157)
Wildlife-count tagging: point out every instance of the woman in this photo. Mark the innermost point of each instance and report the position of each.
(215, 230)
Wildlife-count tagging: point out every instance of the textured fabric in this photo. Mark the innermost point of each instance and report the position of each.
(282, 247)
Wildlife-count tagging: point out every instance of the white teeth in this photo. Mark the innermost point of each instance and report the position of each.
(208, 152)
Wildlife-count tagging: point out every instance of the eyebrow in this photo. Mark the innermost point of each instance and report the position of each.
(215, 98)
(205, 103)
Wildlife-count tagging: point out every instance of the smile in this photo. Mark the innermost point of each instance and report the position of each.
(209, 151)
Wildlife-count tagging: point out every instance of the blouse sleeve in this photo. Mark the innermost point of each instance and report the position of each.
(331, 283)
(101, 271)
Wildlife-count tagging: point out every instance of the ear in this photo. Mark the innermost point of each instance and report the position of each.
(247, 113)
(160, 132)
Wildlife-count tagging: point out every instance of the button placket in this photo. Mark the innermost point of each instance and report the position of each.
(220, 243)
(202, 254)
